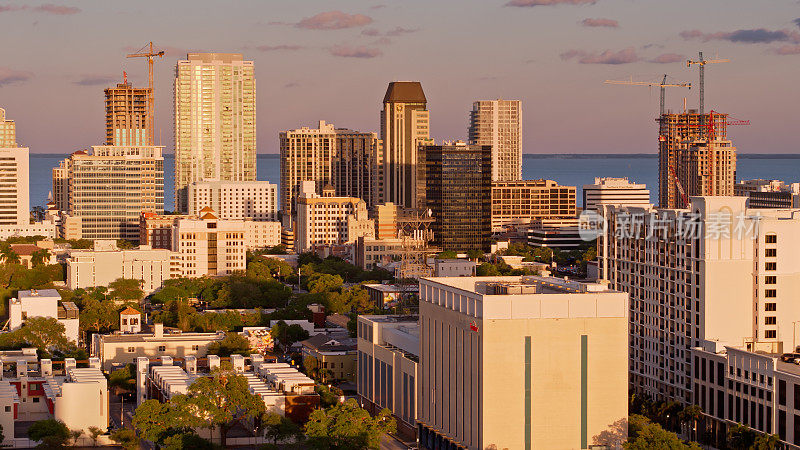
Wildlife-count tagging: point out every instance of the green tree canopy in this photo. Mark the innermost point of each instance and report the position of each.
(288, 334)
(50, 432)
(126, 438)
(126, 289)
(279, 428)
(323, 282)
(44, 333)
(347, 426)
(232, 343)
(447, 254)
(645, 435)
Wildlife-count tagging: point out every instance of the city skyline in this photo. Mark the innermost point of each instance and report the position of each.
(364, 45)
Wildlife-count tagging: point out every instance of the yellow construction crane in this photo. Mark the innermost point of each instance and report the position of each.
(151, 104)
(662, 85)
(702, 63)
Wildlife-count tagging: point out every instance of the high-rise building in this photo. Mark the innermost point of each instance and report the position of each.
(127, 116)
(14, 187)
(307, 154)
(354, 165)
(256, 200)
(458, 180)
(521, 202)
(497, 353)
(8, 131)
(499, 123)
(107, 189)
(716, 274)
(215, 121)
(405, 122)
(694, 158)
(614, 191)
(329, 220)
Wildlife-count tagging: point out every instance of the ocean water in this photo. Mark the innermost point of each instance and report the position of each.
(567, 170)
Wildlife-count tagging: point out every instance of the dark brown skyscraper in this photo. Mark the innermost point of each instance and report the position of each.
(458, 179)
(126, 116)
(405, 123)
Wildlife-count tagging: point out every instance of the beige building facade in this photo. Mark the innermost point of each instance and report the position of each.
(330, 220)
(209, 246)
(127, 116)
(499, 123)
(614, 191)
(14, 175)
(90, 268)
(238, 200)
(522, 202)
(215, 121)
(497, 353)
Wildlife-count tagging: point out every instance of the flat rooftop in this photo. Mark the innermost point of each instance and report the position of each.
(36, 293)
(520, 285)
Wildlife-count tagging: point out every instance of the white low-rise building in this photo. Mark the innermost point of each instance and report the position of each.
(329, 220)
(209, 246)
(43, 303)
(255, 200)
(90, 268)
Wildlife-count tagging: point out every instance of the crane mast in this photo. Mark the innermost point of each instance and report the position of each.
(701, 63)
(144, 52)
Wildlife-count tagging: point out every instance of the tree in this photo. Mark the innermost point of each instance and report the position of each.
(123, 379)
(279, 428)
(740, 436)
(44, 333)
(124, 244)
(323, 282)
(447, 254)
(487, 270)
(50, 432)
(219, 400)
(155, 421)
(645, 435)
(767, 442)
(232, 343)
(352, 299)
(347, 426)
(126, 438)
(75, 435)
(39, 257)
(126, 289)
(8, 256)
(474, 254)
(288, 334)
(187, 440)
(690, 416)
(95, 433)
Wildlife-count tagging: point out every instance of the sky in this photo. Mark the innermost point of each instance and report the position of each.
(332, 59)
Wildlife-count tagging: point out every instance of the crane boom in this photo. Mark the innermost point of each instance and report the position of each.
(661, 85)
(151, 104)
(701, 63)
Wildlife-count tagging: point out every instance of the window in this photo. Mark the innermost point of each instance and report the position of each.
(162, 348)
(131, 349)
(770, 320)
(770, 266)
(8, 409)
(770, 293)
(782, 392)
(195, 348)
(770, 334)
(771, 239)
(770, 279)
(770, 306)
(771, 252)
(36, 399)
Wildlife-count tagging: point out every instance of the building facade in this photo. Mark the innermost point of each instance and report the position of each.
(306, 155)
(91, 268)
(388, 354)
(716, 272)
(14, 175)
(209, 246)
(43, 303)
(127, 116)
(499, 123)
(405, 123)
(355, 166)
(496, 353)
(459, 194)
(614, 191)
(254, 200)
(8, 131)
(330, 220)
(109, 187)
(521, 202)
(215, 121)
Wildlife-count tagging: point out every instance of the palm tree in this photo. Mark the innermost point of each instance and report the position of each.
(9, 256)
(767, 442)
(39, 257)
(690, 415)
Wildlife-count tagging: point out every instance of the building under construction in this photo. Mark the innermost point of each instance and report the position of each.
(694, 158)
(127, 114)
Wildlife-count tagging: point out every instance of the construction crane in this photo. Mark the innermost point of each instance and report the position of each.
(702, 63)
(144, 52)
(661, 85)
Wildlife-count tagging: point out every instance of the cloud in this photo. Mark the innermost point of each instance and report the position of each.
(291, 85)
(610, 23)
(751, 36)
(371, 32)
(272, 48)
(667, 58)
(796, 22)
(334, 20)
(47, 8)
(10, 76)
(347, 51)
(377, 7)
(397, 31)
(788, 50)
(95, 80)
(529, 3)
(624, 56)
(59, 10)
